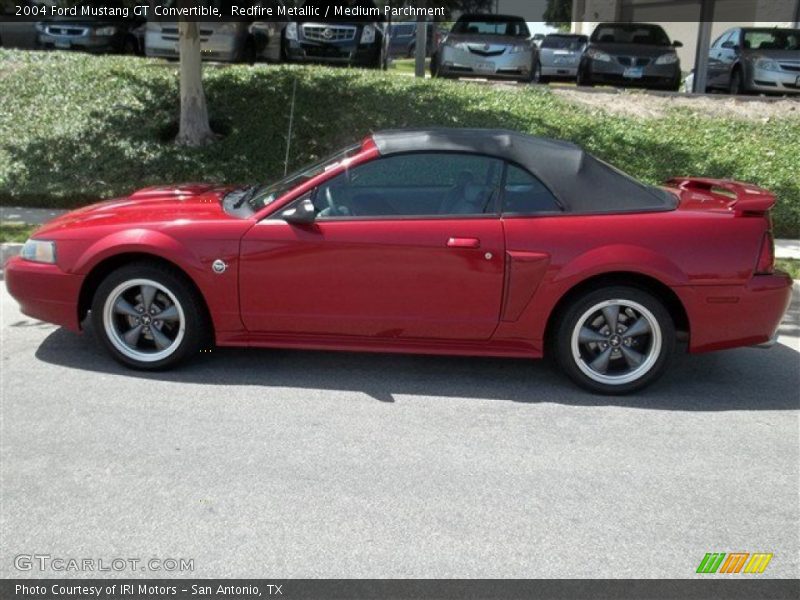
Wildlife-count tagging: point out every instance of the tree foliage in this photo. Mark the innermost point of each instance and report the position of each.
(558, 14)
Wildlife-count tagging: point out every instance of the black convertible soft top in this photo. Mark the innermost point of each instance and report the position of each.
(581, 182)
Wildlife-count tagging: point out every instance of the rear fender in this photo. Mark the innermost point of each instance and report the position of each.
(621, 258)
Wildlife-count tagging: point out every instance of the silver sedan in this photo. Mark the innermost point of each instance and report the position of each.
(560, 55)
(491, 46)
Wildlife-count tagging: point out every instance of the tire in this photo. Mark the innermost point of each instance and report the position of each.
(613, 364)
(583, 79)
(118, 308)
(130, 46)
(737, 86)
(536, 74)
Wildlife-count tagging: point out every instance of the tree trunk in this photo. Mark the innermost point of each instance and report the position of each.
(421, 47)
(194, 127)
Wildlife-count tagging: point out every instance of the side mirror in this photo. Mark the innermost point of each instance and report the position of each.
(301, 214)
(677, 44)
(729, 44)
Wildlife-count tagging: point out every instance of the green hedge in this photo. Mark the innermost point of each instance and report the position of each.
(74, 127)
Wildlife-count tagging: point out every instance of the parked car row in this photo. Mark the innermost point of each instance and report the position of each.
(360, 42)
(742, 60)
(500, 46)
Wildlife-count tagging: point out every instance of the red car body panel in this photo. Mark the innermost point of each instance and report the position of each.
(483, 285)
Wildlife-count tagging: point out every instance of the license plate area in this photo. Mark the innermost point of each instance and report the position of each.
(485, 67)
(63, 44)
(633, 73)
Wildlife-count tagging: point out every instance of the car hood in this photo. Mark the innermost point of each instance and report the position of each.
(148, 206)
(639, 50)
(491, 40)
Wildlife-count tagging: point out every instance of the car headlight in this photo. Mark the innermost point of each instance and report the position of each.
(767, 64)
(368, 34)
(517, 48)
(40, 27)
(105, 31)
(595, 54)
(39, 251)
(291, 31)
(667, 59)
(457, 45)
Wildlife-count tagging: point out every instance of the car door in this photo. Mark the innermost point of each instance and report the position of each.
(715, 60)
(729, 54)
(403, 247)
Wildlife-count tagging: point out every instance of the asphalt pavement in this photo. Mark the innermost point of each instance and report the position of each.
(280, 463)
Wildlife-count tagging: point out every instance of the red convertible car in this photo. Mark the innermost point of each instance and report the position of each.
(441, 241)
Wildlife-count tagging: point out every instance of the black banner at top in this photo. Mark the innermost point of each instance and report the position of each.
(779, 12)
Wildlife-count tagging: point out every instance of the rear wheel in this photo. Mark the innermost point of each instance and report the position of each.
(149, 317)
(615, 341)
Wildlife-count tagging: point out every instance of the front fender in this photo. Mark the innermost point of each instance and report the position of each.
(219, 290)
(145, 241)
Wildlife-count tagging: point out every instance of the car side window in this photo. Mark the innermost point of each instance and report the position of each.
(721, 39)
(413, 185)
(524, 194)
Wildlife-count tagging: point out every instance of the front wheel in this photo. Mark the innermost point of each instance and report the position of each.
(149, 317)
(615, 340)
(584, 79)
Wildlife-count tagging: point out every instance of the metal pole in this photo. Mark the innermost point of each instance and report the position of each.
(703, 44)
(421, 47)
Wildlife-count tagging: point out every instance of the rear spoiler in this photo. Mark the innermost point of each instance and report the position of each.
(744, 198)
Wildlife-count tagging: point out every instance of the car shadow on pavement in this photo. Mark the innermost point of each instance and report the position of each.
(742, 379)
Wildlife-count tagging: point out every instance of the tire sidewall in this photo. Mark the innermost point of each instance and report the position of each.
(195, 326)
(569, 320)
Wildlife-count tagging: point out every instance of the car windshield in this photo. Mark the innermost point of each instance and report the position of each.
(267, 194)
(651, 35)
(508, 27)
(564, 42)
(772, 39)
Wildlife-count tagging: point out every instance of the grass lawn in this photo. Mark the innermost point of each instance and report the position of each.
(75, 128)
(407, 66)
(12, 232)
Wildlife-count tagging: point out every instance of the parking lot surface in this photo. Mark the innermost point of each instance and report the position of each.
(310, 464)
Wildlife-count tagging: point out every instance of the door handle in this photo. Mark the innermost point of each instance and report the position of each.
(458, 242)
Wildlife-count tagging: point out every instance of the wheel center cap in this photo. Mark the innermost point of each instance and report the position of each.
(146, 319)
(615, 340)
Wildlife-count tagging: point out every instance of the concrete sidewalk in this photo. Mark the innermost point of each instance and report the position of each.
(37, 216)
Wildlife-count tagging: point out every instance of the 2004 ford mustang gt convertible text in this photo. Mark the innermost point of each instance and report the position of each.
(470, 242)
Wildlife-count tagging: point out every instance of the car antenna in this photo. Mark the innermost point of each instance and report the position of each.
(289, 136)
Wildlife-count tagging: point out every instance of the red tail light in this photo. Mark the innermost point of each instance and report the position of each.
(766, 257)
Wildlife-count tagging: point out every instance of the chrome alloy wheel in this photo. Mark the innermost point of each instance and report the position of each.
(144, 320)
(616, 342)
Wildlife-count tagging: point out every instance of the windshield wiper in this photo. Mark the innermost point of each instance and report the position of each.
(247, 195)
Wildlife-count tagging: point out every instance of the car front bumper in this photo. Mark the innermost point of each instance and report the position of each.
(560, 70)
(44, 291)
(456, 62)
(776, 82)
(652, 75)
(345, 53)
(216, 47)
(86, 43)
(725, 316)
